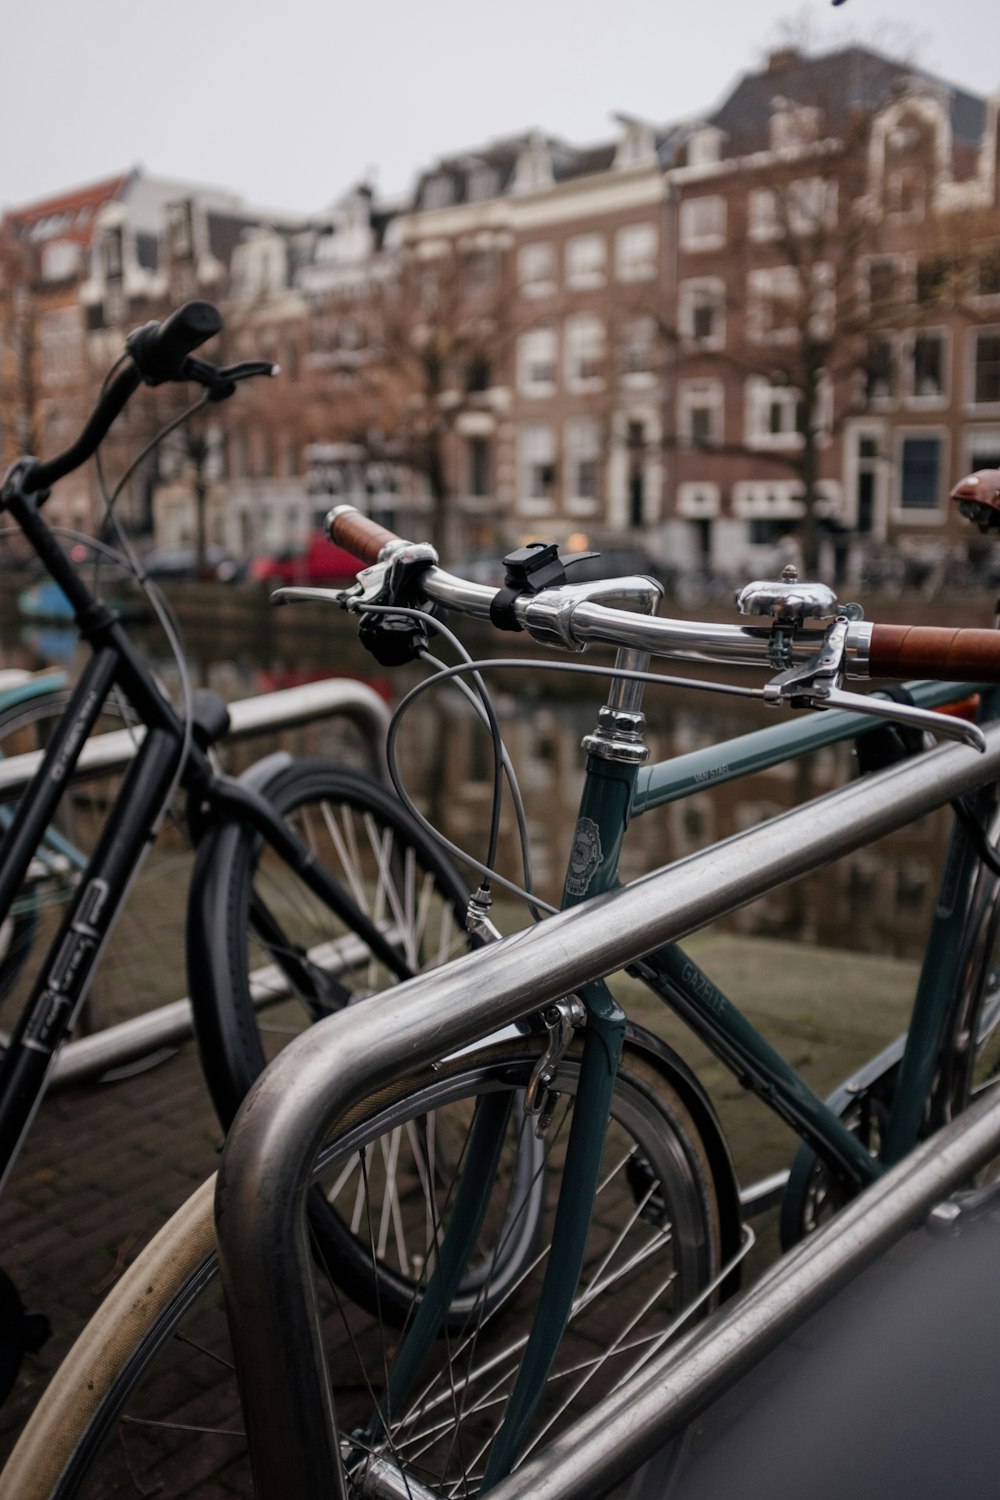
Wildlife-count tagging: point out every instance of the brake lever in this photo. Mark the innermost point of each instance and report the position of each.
(816, 684)
(220, 383)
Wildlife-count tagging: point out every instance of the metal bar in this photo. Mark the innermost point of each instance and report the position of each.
(115, 1046)
(261, 1221)
(248, 716)
(592, 1457)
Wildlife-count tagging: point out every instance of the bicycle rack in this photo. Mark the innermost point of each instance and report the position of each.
(115, 1046)
(260, 1203)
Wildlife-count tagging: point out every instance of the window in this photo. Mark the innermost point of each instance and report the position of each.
(920, 473)
(479, 468)
(536, 362)
(774, 305)
(60, 345)
(793, 124)
(585, 258)
(537, 453)
(904, 193)
(881, 370)
(762, 214)
(60, 260)
(438, 192)
(180, 240)
(635, 252)
(700, 412)
(480, 269)
(927, 365)
(583, 456)
(704, 146)
(774, 415)
(884, 286)
(481, 182)
(536, 269)
(638, 347)
(703, 311)
(703, 223)
(982, 447)
(584, 351)
(986, 367)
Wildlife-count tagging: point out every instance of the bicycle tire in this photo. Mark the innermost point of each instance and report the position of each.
(361, 832)
(653, 1247)
(971, 1053)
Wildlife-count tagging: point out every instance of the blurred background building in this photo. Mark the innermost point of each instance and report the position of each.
(770, 332)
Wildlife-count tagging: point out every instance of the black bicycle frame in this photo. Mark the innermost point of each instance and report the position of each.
(62, 982)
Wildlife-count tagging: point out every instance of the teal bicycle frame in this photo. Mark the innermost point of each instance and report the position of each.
(619, 788)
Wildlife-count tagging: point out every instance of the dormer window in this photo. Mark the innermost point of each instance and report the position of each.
(481, 183)
(793, 124)
(534, 169)
(438, 192)
(704, 146)
(637, 147)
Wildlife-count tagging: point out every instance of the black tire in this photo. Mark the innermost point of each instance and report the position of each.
(363, 835)
(653, 1248)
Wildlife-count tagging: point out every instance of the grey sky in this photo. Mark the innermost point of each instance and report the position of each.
(291, 101)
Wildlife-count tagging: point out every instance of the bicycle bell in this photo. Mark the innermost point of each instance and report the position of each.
(787, 599)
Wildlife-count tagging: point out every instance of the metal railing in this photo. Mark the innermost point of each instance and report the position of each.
(285, 709)
(117, 1046)
(263, 1239)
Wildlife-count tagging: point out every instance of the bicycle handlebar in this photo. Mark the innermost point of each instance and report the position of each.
(573, 616)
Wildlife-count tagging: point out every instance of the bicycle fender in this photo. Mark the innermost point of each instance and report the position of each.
(686, 1084)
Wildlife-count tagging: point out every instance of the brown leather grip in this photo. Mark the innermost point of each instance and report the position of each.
(929, 651)
(359, 534)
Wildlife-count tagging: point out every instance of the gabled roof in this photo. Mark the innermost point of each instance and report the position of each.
(853, 78)
(70, 215)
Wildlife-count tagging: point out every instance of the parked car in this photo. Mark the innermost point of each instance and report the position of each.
(320, 563)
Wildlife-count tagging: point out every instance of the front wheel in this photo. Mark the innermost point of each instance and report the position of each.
(155, 1364)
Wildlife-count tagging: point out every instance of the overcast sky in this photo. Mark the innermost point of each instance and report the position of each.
(289, 102)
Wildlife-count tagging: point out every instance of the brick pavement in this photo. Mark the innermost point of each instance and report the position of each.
(103, 1167)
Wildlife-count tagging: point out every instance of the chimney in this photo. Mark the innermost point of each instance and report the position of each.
(785, 57)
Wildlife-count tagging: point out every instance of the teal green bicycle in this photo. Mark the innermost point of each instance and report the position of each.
(510, 1288)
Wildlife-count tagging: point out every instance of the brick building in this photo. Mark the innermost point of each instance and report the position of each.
(780, 320)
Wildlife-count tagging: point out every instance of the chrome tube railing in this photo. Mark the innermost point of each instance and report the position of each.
(261, 1222)
(284, 709)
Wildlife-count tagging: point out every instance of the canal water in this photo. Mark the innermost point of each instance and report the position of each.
(878, 900)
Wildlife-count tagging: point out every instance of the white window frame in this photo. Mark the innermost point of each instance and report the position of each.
(582, 445)
(586, 257)
(760, 397)
(584, 352)
(536, 451)
(766, 288)
(701, 395)
(919, 515)
(537, 351)
(695, 233)
(536, 269)
(639, 337)
(637, 247)
(988, 330)
(698, 291)
(927, 400)
(980, 437)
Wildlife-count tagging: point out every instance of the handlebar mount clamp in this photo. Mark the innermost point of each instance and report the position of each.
(529, 570)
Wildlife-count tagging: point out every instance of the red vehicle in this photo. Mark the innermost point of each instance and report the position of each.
(320, 563)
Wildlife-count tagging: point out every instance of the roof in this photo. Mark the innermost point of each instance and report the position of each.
(70, 215)
(838, 82)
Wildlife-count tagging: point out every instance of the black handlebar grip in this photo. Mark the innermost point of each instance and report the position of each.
(160, 349)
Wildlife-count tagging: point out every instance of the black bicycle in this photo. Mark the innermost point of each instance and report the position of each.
(312, 886)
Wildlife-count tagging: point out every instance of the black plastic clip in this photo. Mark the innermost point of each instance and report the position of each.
(529, 570)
